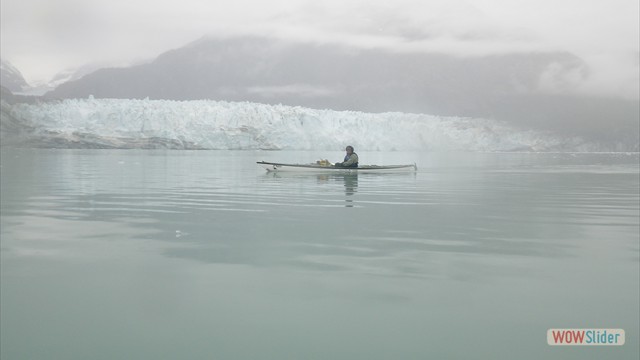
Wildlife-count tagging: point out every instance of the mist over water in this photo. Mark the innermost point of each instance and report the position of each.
(200, 254)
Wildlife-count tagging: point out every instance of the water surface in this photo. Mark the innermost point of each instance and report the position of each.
(200, 254)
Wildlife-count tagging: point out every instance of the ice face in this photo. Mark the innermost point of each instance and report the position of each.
(242, 125)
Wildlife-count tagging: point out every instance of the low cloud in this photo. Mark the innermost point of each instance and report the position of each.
(303, 90)
(42, 37)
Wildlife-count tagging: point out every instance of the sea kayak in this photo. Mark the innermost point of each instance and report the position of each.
(279, 167)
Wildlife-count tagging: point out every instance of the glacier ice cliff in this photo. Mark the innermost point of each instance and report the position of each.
(206, 124)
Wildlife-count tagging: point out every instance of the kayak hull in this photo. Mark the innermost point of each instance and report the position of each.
(279, 167)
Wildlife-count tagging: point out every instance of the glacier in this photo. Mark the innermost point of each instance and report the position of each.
(208, 124)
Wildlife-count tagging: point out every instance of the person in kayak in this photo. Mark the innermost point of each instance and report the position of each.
(350, 160)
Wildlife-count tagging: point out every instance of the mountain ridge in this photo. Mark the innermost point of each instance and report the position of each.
(11, 78)
(263, 70)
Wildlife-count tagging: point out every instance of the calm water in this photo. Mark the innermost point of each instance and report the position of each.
(201, 255)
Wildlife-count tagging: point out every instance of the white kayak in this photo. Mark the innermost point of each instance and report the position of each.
(278, 167)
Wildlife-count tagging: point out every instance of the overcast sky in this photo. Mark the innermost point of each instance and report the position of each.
(43, 37)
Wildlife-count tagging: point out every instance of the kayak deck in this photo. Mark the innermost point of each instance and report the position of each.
(278, 167)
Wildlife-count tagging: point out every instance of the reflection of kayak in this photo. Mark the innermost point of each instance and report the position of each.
(277, 167)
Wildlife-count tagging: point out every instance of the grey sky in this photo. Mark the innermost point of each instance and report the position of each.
(42, 37)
